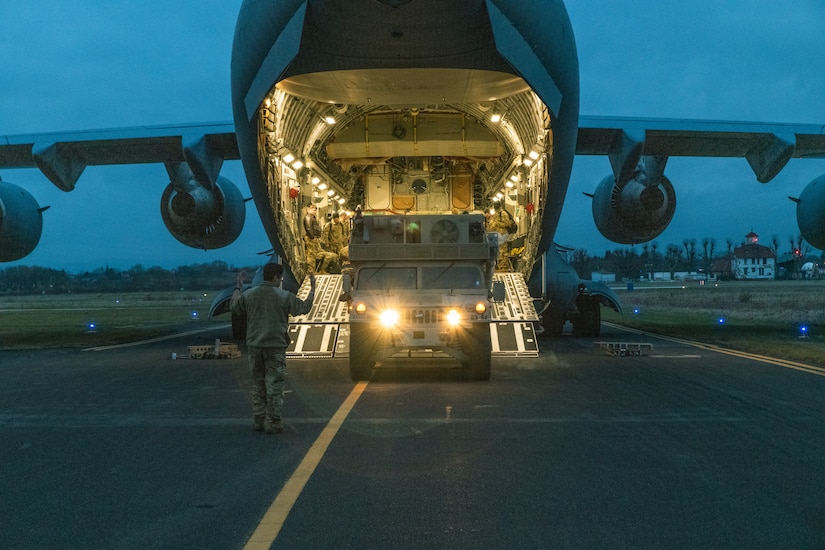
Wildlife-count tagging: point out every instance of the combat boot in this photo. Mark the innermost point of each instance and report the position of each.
(274, 427)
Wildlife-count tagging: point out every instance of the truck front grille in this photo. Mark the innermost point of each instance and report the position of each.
(423, 316)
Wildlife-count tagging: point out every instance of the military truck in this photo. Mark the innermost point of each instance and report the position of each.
(420, 284)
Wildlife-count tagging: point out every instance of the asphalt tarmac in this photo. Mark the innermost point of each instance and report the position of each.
(682, 447)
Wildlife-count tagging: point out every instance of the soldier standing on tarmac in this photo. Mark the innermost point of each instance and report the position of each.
(267, 308)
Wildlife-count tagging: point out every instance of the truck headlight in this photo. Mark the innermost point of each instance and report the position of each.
(481, 308)
(453, 317)
(360, 308)
(389, 318)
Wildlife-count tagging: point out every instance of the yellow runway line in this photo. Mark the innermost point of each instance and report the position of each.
(276, 515)
(786, 363)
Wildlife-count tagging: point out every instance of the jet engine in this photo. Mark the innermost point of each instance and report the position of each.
(810, 212)
(21, 222)
(203, 218)
(636, 211)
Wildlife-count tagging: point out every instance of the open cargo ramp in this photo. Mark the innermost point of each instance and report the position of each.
(513, 319)
(324, 331)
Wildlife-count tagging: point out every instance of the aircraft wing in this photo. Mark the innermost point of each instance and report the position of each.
(767, 147)
(63, 156)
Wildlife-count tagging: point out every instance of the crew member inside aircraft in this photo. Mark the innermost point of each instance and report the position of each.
(501, 222)
(335, 236)
(267, 308)
(318, 259)
(345, 224)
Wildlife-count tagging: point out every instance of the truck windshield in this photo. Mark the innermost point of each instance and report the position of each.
(381, 278)
(452, 276)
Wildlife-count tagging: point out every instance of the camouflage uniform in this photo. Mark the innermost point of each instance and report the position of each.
(335, 236)
(267, 309)
(502, 222)
(343, 253)
(318, 260)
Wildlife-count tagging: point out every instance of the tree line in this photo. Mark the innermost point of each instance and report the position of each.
(626, 263)
(692, 256)
(44, 280)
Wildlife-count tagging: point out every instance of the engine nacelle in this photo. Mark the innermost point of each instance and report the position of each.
(201, 218)
(21, 222)
(635, 212)
(810, 213)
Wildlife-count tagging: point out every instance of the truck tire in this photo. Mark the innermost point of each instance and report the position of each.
(479, 348)
(360, 355)
(589, 321)
(552, 321)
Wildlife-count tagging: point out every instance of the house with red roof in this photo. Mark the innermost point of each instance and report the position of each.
(753, 260)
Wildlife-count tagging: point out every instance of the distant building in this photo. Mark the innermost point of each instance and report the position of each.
(722, 267)
(753, 260)
(599, 277)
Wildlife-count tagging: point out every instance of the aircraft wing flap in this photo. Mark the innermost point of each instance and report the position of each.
(18, 155)
(697, 138)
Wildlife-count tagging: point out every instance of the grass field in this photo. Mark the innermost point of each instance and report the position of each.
(89, 320)
(764, 317)
(759, 317)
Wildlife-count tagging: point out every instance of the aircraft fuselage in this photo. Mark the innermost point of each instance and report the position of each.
(411, 87)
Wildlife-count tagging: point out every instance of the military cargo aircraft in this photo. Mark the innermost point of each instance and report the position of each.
(424, 106)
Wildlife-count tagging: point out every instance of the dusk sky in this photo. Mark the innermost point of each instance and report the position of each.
(106, 64)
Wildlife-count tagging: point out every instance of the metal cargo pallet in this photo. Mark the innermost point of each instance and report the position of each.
(624, 348)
